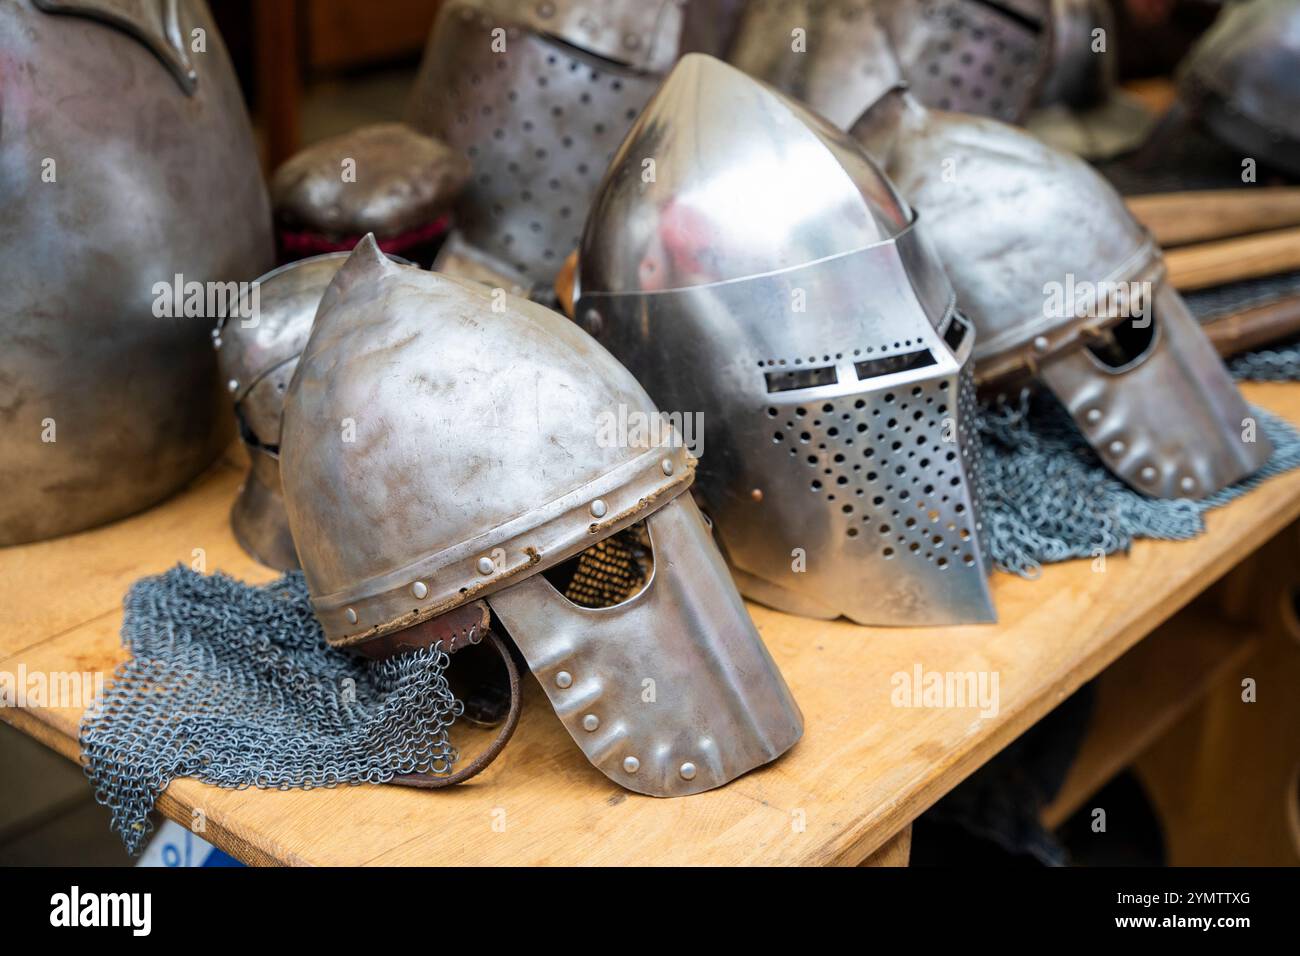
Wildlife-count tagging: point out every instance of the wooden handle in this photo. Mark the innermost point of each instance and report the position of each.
(1253, 328)
(564, 283)
(1177, 219)
(1232, 260)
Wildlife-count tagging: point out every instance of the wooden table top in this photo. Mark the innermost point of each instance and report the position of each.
(863, 771)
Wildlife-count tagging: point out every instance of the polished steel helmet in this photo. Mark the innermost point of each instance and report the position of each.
(128, 179)
(445, 443)
(538, 94)
(1063, 284)
(258, 352)
(840, 56)
(1243, 81)
(1081, 107)
(768, 278)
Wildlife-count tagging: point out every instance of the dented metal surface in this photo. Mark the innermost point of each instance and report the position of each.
(1086, 309)
(473, 464)
(118, 184)
(814, 330)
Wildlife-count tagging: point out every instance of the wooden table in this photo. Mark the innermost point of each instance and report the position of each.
(850, 789)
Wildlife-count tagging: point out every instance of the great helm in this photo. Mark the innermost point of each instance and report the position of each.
(840, 56)
(768, 277)
(441, 445)
(1242, 80)
(128, 177)
(258, 351)
(1063, 284)
(538, 94)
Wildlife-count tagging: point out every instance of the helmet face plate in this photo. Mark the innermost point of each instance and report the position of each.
(539, 121)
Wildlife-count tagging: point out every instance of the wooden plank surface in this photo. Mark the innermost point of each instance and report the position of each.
(864, 770)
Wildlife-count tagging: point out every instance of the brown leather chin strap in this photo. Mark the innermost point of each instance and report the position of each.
(454, 631)
(433, 781)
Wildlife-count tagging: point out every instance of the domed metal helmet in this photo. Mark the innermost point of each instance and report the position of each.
(538, 94)
(444, 443)
(1243, 80)
(1081, 108)
(1063, 284)
(768, 277)
(258, 355)
(840, 56)
(128, 177)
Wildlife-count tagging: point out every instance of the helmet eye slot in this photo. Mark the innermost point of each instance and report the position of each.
(1124, 346)
(611, 571)
(795, 379)
(890, 364)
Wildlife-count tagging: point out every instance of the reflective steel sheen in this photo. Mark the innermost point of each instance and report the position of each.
(770, 278)
(1062, 283)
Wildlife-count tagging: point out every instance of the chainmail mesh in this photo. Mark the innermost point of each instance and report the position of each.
(234, 685)
(1050, 498)
(610, 571)
(1279, 362)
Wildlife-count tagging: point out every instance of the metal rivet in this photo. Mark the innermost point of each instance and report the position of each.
(233, 385)
(1117, 447)
(590, 723)
(546, 10)
(757, 494)
(1093, 416)
(1041, 343)
(216, 342)
(632, 41)
(667, 466)
(598, 508)
(1188, 483)
(420, 590)
(485, 565)
(594, 322)
(687, 771)
(631, 764)
(351, 615)
(563, 679)
(1149, 474)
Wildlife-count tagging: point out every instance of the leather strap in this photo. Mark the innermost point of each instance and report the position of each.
(434, 781)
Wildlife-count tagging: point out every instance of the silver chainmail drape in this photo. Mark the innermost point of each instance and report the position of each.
(235, 685)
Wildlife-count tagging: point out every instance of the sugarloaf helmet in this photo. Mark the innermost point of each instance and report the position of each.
(1065, 286)
(446, 444)
(840, 56)
(768, 279)
(258, 351)
(538, 94)
(1242, 81)
(133, 208)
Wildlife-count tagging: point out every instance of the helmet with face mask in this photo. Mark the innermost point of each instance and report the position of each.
(840, 56)
(1065, 286)
(444, 444)
(751, 265)
(538, 94)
